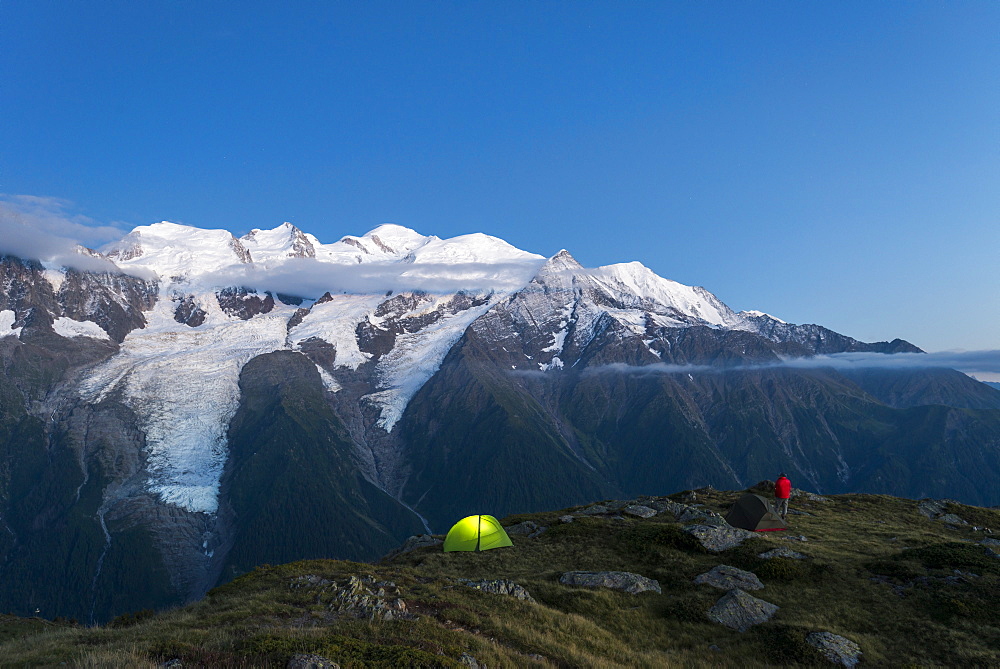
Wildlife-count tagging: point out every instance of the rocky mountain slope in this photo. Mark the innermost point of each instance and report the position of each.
(645, 582)
(211, 403)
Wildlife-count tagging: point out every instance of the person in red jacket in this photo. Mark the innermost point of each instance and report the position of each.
(782, 491)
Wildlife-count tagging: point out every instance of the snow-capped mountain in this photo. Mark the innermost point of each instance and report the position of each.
(225, 401)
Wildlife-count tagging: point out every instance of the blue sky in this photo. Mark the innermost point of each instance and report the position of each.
(834, 163)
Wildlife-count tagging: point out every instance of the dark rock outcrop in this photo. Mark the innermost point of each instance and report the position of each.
(188, 312)
(244, 303)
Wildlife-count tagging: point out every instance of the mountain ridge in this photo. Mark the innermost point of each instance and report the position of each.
(475, 373)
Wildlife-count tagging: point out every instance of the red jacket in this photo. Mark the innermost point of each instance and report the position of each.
(782, 487)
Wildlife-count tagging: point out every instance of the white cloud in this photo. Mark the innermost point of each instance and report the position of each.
(978, 363)
(310, 278)
(42, 228)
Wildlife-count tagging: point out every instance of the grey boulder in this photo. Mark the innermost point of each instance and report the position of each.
(725, 577)
(500, 587)
(740, 611)
(412, 544)
(783, 552)
(309, 661)
(615, 580)
(717, 538)
(528, 529)
(640, 511)
(835, 648)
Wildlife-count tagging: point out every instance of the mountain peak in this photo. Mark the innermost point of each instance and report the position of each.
(284, 241)
(562, 261)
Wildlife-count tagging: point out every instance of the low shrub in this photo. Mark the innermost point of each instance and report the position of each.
(900, 570)
(953, 555)
(690, 608)
(130, 619)
(645, 540)
(783, 569)
(786, 644)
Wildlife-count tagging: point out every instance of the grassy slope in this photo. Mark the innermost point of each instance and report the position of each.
(259, 620)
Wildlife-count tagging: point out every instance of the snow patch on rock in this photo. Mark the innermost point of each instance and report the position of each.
(7, 328)
(329, 382)
(67, 327)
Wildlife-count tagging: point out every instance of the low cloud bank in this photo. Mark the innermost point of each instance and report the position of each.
(305, 277)
(40, 228)
(986, 363)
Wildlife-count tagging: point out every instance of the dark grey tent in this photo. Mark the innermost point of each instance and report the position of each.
(753, 512)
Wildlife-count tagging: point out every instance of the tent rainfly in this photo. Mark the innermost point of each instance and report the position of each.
(753, 512)
(476, 533)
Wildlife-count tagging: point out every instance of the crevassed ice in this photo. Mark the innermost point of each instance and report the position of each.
(183, 384)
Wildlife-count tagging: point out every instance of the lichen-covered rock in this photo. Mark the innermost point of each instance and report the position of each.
(693, 513)
(740, 611)
(528, 529)
(615, 580)
(412, 544)
(309, 661)
(667, 506)
(931, 508)
(595, 510)
(783, 552)
(640, 511)
(470, 661)
(309, 581)
(500, 587)
(717, 538)
(725, 577)
(357, 597)
(567, 518)
(812, 497)
(952, 519)
(835, 648)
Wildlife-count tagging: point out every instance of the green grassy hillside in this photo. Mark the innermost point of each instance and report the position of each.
(909, 589)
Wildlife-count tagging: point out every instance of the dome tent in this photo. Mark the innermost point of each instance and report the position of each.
(753, 512)
(476, 533)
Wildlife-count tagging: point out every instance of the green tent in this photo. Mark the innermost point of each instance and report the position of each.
(476, 533)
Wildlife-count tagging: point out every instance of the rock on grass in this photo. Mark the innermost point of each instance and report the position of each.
(835, 648)
(718, 538)
(740, 611)
(725, 577)
(615, 580)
